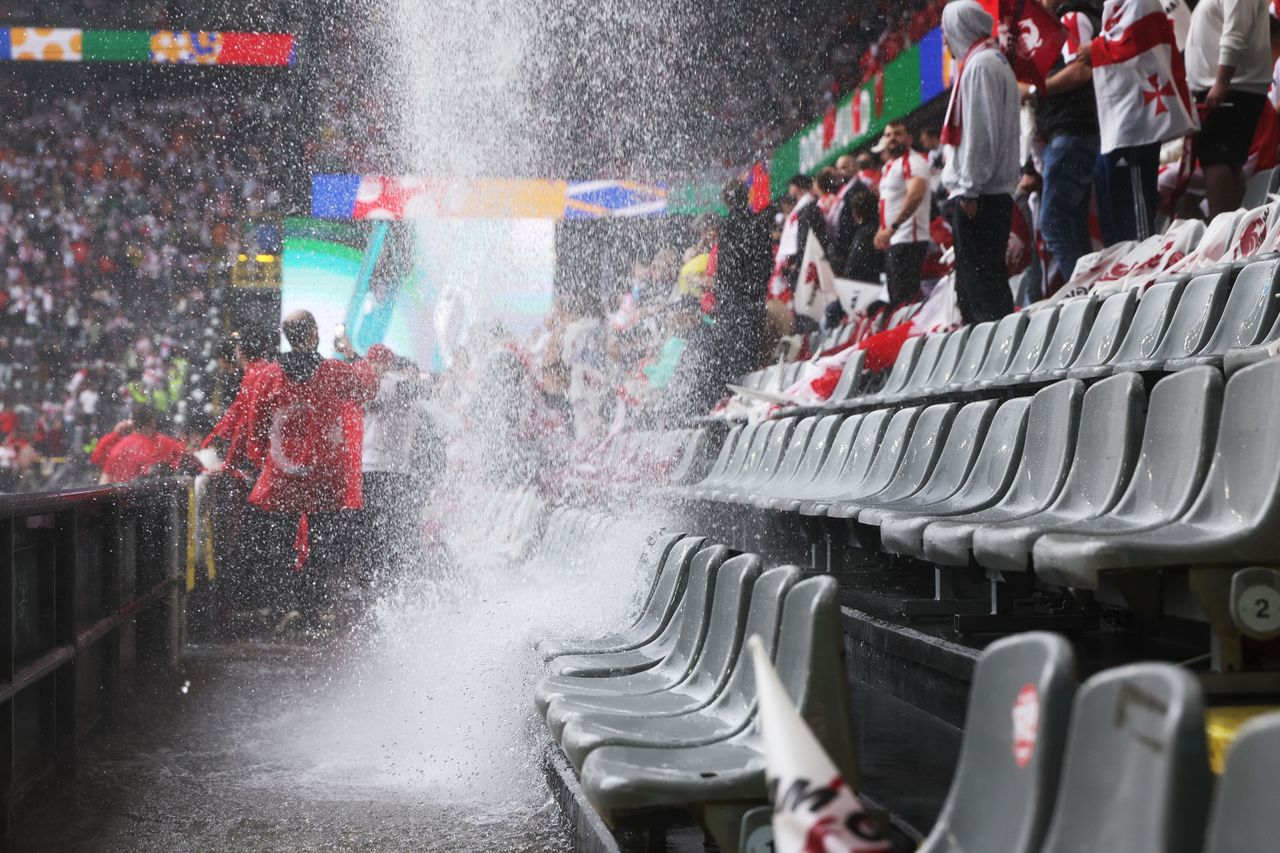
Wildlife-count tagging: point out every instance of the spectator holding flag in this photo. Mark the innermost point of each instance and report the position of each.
(981, 133)
(1229, 71)
(1143, 100)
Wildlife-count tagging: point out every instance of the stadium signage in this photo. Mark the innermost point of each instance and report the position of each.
(157, 47)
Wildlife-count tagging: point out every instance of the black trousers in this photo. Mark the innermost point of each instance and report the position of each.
(982, 276)
(902, 266)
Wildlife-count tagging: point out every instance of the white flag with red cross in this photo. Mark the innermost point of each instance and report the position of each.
(814, 811)
(1139, 77)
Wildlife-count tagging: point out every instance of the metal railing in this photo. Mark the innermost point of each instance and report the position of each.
(90, 586)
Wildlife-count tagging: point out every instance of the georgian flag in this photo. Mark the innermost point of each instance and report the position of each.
(814, 810)
(1032, 38)
(1139, 77)
(815, 286)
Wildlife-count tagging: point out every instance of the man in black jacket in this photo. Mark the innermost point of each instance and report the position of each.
(744, 261)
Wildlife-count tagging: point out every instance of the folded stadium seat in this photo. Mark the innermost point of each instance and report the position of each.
(793, 454)
(1075, 322)
(846, 334)
(828, 472)
(1046, 461)
(1259, 187)
(692, 461)
(683, 628)
(814, 453)
(850, 378)
(1009, 454)
(759, 466)
(728, 714)
(1135, 775)
(861, 454)
(790, 373)
(897, 378)
(1111, 425)
(1244, 817)
(1191, 324)
(696, 680)
(1004, 343)
(673, 553)
(883, 463)
(971, 358)
(948, 361)
(1108, 328)
(723, 456)
(1146, 329)
(747, 439)
(1250, 320)
(955, 461)
(1030, 352)
(1015, 731)
(926, 360)
(723, 779)
(1234, 519)
(780, 439)
(919, 457)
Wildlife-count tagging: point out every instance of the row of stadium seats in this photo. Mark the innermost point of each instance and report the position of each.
(661, 715)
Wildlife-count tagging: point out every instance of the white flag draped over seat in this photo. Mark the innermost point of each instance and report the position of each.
(816, 285)
(813, 809)
(1139, 77)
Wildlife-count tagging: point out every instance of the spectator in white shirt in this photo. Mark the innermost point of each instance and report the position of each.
(905, 198)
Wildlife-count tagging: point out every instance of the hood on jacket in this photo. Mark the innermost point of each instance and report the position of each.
(300, 366)
(964, 22)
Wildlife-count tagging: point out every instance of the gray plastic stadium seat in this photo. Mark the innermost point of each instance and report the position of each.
(758, 471)
(793, 454)
(698, 680)
(1031, 349)
(926, 360)
(1236, 515)
(1052, 430)
(850, 376)
(620, 780)
(1111, 421)
(1075, 321)
(992, 472)
(734, 443)
(815, 453)
(692, 461)
(1244, 818)
(1257, 188)
(1144, 334)
(724, 717)
(1001, 798)
(748, 443)
(948, 361)
(800, 490)
(906, 477)
(672, 649)
(1110, 325)
(1191, 325)
(1249, 318)
(1004, 343)
(1136, 772)
(861, 454)
(898, 374)
(972, 358)
(883, 464)
(955, 461)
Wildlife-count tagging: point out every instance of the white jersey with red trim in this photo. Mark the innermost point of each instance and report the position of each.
(893, 192)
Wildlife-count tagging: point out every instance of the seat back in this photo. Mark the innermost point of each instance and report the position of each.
(1150, 320)
(656, 550)
(863, 451)
(998, 457)
(1136, 772)
(1015, 730)
(668, 591)
(1035, 340)
(1111, 418)
(691, 459)
(810, 664)
(815, 453)
(841, 447)
(1004, 343)
(797, 444)
(755, 451)
(1053, 422)
(764, 617)
(695, 611)
(1244, 818)
(974, 354)
(958, 454)
(726, 453)
(1109, 328)
(888, 453)
(735, 583)
(849, 376)
(902, 366)
(738, 454)
(1252, 307)
(948, 360)
(928, 436)
(1075, 323)
(930, 350)
(1257, 188)
(1195, 318)
(771, 458)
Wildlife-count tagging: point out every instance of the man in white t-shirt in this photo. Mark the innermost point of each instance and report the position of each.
(904, 213)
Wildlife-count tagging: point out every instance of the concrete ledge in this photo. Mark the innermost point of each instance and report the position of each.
(590, 835)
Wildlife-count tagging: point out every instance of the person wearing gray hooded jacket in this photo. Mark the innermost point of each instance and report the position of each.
(980, 133)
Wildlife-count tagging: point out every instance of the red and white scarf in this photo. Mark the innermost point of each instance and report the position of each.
(952, 124)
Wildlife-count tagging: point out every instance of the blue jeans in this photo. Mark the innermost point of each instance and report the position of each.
(1064, 206)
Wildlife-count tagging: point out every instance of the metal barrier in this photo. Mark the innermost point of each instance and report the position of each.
(89, 586)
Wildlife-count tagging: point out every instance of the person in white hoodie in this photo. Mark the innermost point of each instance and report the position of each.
(981, 133)
(1229, 71)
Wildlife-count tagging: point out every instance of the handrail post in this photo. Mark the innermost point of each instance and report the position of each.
(8, 628)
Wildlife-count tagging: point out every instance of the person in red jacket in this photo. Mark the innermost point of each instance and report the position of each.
(135, 449)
